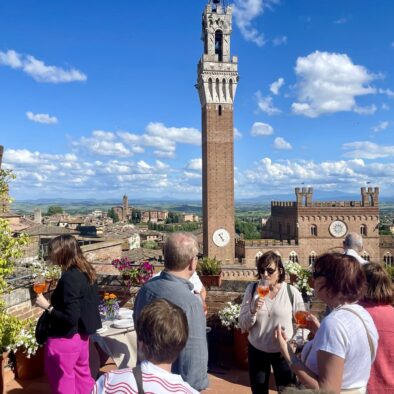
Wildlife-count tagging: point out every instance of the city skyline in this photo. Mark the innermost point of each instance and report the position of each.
(99, 100)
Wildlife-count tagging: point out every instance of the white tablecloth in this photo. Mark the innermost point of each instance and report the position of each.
(119, 343)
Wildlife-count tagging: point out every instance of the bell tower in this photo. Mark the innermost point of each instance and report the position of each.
(216, 83)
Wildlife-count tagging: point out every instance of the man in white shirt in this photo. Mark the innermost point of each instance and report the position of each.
(353, 245)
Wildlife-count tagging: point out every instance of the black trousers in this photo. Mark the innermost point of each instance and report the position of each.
(260, 370)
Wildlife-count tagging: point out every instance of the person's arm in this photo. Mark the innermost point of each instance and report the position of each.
(330, 366)
(249, 307)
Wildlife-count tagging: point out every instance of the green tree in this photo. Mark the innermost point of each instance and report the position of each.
(149, 245)
(135, 216)
(11, 248)
(113, 215)
(54, 210)
(248, 229)
(173, 217)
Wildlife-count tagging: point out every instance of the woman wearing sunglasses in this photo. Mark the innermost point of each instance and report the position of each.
(339, 357)
(260, 316)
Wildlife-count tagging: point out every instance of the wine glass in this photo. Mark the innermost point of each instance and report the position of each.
(39, 285)
(301, 314)
(263, 288)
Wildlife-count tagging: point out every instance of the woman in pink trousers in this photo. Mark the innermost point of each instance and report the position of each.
(74, 316)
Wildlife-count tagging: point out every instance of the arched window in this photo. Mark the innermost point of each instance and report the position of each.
(210, 88)
(224, 89)
(363, 229)
(219, 44)
(365, 255)
(388, 259)
(217, 88)
(312, 258)
(314, 230)
(293, 257)
(230, 88)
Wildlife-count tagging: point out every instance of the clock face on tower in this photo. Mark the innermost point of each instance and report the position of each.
(338, 228)
(221, 237)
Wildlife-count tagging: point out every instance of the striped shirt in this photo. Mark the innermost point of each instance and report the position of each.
(155, 380)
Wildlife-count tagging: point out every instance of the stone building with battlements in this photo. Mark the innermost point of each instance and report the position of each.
(301, 230)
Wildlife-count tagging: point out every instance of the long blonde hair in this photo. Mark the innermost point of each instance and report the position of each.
(65, 251)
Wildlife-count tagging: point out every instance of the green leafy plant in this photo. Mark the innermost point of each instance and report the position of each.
(25, 339)
(390, 271)
(10, 328)
(209, 266)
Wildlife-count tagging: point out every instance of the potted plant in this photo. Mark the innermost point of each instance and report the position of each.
(29, 355)
(303, 283)
(293, 269)
(209, 270)
(10, 327)
(133, 273)
(229, 317)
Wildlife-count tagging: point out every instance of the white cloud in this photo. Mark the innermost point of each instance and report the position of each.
(367, 150)
(330, 82)
(237, 133)
(387, 92)
(282, 144)
(260, 128)
(275, 86)
(195, 164)
(367, 110)
(340, 21)
(185, 135)
(265, 104)
(245, 11)
(38, 70)
(385, 107)
(381, 126)
(41, 118)
(280, 40)
(102, 144)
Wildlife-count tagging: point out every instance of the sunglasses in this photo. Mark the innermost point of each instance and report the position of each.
(316, 275)
(270, 271)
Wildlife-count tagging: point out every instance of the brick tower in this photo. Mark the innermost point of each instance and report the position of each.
(216, 84)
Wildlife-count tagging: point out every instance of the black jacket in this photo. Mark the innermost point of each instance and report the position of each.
(75, 305)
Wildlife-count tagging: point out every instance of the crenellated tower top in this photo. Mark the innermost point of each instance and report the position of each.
(217, 70)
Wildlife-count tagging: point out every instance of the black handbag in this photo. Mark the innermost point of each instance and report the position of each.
(43, 328)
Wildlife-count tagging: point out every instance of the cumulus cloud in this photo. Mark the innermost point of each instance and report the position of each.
(387, 92)
(265, 104)
(282, 175)
(245, 12)
(280, 40)
(260, 128)
(381, 126)
(367, 150)
(195, 164)
(281, 144)
(330, 82)
(38, 70)
(340, 21)
(41, 118)
(275, 86)
(237, 133)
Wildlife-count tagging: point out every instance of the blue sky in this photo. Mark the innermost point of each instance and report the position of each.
(97, 98)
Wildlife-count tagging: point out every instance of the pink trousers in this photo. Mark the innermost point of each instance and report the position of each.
(67, 365)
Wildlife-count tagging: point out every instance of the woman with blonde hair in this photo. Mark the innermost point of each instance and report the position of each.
(74, 315)
(378, 301)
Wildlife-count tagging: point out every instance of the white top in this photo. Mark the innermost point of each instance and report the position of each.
(194, 280)
(261, 326)
(342, 333)
(352, 252)
(155, 380)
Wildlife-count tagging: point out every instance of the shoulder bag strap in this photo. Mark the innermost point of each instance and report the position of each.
(370, 342)
(138, 378)
(253, 291)
(290, 293)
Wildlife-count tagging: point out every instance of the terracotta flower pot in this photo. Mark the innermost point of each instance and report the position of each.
(241, 348)
(211, 280)
(29, 368)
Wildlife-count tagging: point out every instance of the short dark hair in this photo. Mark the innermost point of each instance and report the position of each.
(266, 259)
(163, 330)
(344, 276)
(179, 249)
(379, 285)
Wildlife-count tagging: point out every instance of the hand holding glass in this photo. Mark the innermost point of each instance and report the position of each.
(39, 285)
(301, 313)
(263, 288)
